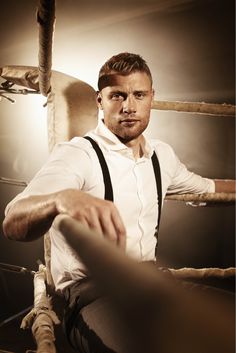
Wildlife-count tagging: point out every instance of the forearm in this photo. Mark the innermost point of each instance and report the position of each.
(30, 218)
(225, 185)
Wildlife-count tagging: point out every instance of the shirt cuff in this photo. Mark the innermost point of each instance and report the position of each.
(212, 186)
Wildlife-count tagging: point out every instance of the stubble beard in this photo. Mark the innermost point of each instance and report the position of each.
(126, 134)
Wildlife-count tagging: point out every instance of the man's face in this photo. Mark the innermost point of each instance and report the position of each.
(126, 103)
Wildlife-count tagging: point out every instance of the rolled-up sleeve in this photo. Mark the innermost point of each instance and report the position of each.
(185, 181)
(178, 179)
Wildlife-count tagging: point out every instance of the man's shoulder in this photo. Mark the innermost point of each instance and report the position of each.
(71, 151)
(161, 147)
(77, 142)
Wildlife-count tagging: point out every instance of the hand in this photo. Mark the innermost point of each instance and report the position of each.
(97, 214)
(227, 185)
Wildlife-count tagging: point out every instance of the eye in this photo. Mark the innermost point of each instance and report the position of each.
(117, 96)
(139, 95)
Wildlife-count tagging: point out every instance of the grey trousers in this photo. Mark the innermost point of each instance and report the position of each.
(91, 323)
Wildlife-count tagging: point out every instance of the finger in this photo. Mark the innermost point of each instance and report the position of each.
(119, 228)
(113, 226)
(82, 220)
(121, 242)
(107, 225)
(94, 222)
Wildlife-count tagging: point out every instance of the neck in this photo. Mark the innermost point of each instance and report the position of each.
(136, 146)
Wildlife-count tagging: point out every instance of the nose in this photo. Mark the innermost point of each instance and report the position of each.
(129, 105)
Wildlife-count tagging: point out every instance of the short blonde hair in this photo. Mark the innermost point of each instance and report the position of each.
(123, 64)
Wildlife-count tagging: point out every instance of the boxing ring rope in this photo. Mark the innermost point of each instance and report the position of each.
(39, 79)
(46, 20)
(196, 107)
(12, 181)
(216, 197)
(200, 273)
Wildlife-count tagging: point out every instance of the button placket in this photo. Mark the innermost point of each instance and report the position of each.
(140, 193)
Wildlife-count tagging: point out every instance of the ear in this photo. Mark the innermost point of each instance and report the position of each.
(152, 101)
(153, 95)
(99, 100)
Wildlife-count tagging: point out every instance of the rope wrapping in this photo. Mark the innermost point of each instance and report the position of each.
(41, 318)
(26, 76)
(46, 20)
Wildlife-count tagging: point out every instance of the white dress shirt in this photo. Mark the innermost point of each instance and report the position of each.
(74, 164)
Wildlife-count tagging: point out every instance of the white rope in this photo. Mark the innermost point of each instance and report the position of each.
(200, 273)
(196, 107)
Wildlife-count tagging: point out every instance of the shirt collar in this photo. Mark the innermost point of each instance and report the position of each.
(109, 141)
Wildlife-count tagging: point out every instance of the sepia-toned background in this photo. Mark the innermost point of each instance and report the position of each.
(189, 46)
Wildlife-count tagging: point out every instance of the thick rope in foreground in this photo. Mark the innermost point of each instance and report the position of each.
(41, 318)
(196, 107)
(161, 315)
(45, 19)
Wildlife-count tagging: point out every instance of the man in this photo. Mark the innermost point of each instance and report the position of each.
(71, 182)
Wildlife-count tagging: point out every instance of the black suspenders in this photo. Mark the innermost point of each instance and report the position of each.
(157, 172)
(107, 179)
(105, 171)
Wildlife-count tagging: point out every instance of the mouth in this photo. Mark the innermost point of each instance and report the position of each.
(128, 122)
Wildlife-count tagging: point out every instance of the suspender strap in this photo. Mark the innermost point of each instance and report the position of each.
(105, 171)
(157, 172)
(107, 179)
